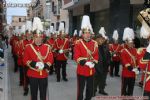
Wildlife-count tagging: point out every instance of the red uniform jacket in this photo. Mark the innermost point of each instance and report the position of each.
(15, 46)
(19, 53)
(144, 63)
(115, 50)
(26, 42)
(80, 53)
(127, 61)
(124, 46)
(51, 42)
(30, 55)
(61, 44)
(21, 48)
(13, 41)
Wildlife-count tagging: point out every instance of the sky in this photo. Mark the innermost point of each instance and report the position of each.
(16, 10)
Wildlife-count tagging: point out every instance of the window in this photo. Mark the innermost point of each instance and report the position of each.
(52, 24)
(53, 6)
(19, 27)
(14, 27)
(59, 4)
(64, 23)
(19, 19)
(57, 26)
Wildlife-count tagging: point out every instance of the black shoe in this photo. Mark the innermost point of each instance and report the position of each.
(94, 94)
(26, 92)
(50, 73)
(103, 92)
(111, 75)
(58, 80)
(117, 75)
(65, 79)
(15, 71)
(20, 84)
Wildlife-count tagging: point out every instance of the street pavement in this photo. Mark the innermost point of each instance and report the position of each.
(61, 90)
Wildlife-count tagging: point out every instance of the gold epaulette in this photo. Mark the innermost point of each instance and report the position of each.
(139, 50)
(96, 44)
(142, 61)
(122, 50)
(27, 45)
(77, 41)
(49, 46)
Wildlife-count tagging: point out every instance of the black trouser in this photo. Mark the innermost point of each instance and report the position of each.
(127, 86)
(81, 82)
(147, 93)
(100, 81)
(38, 83)
(59, 65)
(114, 64)
(21, 76)
(26, 78)
(15, 63)
(53, 67)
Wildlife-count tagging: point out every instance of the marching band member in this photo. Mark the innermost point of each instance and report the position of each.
(38, 58)
(62, 48)
(129, 63)
(144, 63)
(86, 55)
(28, 40)
(115, 50)
(51, 42)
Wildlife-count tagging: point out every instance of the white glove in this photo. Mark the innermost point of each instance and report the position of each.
(61, 51)
(136, 71)
(40, 65)
(90, 64)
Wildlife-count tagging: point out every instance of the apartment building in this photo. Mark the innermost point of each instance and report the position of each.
(18, 21)
(58, 14)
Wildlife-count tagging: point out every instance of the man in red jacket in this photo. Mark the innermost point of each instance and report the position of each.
(144, 62)
(86, 55)
(62, 48)
(115, 49)
(38, 58)
(28, 40)
(129, 63)
(51, 42)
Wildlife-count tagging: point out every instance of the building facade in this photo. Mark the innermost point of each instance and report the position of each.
(111, 14)
(3, 20)
(58, 14)
(51, 12)
(18, 21)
